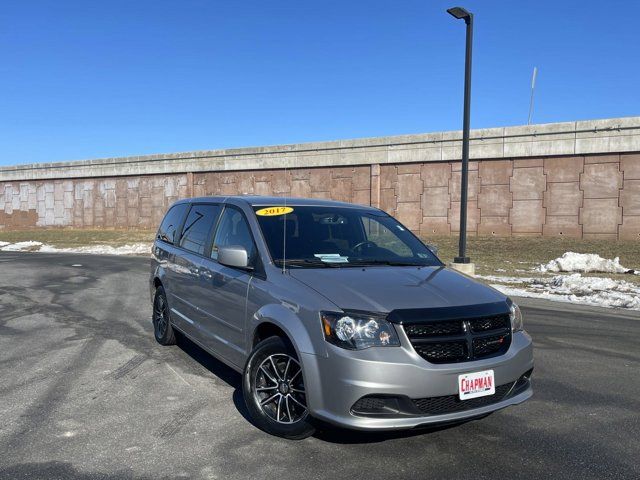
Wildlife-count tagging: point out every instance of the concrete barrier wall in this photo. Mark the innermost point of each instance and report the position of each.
(578, 179)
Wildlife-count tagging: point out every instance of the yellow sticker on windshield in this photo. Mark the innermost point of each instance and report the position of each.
(273, 211)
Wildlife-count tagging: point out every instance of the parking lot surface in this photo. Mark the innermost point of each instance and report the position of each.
(86, 392)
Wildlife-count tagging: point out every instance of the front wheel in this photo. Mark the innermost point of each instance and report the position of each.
(274, 391)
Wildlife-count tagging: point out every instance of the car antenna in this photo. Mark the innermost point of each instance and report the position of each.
(533, 88)
(284, 229)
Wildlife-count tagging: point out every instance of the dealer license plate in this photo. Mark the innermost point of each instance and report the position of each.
(477, 384)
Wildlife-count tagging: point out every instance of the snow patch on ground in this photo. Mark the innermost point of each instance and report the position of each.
(574, 288)
(502, 279)
(584, 263)
(31, 246)
(28, 246)
(132, 249)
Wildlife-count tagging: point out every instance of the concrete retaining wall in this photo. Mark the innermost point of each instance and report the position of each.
(579, 179)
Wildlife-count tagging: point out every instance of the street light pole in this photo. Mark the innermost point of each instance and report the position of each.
(461, 13)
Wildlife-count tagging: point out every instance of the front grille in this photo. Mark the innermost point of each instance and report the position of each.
(484, 346)
(444, 352)
(489, 323)
(452, 404)
(435, 328)
(460, 340)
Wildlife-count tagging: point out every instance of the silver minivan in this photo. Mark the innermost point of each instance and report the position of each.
(334, 312)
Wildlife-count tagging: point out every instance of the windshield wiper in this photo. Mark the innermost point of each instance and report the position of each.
(306, 262)
(393, 263)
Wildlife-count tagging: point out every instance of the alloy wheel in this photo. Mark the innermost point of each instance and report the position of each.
(160, 316)
(279, 389)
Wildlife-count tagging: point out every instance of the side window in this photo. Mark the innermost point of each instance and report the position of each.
(233, 230)
(171, 222)
(385, 238)
(199, 223)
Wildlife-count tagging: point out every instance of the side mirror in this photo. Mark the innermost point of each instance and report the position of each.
(234, 256)
(433, 249)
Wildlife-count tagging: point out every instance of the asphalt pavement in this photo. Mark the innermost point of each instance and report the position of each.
(86, 392)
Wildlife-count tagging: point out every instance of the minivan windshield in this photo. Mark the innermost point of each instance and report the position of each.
(332, 236)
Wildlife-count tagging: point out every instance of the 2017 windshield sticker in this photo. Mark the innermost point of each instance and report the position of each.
(273, 211)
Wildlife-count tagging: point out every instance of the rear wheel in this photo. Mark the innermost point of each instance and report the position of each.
(274, 391)
(162, 329)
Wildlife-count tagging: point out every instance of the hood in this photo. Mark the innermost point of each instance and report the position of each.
(387, 288)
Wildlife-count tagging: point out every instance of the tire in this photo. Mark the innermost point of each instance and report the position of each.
(162, 329)
(273, 390)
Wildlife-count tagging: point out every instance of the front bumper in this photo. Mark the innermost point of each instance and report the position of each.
(336, 382)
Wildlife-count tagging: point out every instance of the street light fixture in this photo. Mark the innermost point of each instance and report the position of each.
(462, 14)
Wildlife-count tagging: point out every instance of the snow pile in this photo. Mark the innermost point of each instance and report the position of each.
(31, 246)
(574, 288)
(501, 279)
(585, 263)
(28, 246)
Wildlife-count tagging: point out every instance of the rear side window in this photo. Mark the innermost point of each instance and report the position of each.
(199, 223)
(172, 220)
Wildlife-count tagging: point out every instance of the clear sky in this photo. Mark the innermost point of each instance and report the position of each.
(88, 79)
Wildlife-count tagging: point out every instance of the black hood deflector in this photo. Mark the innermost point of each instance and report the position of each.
(427, 315)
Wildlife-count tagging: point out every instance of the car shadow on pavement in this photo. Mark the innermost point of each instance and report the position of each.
(209, 362)
(223, 372)
(64, 470)
(325, 432)
(343, 436)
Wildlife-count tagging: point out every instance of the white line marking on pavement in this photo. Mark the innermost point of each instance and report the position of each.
(177, 374)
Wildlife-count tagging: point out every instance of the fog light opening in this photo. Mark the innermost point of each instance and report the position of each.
(376, 405)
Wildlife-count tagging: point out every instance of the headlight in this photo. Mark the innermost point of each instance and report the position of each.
(516, 318)
(355, 332)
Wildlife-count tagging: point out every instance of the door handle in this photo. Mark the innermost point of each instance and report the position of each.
(206, 274)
